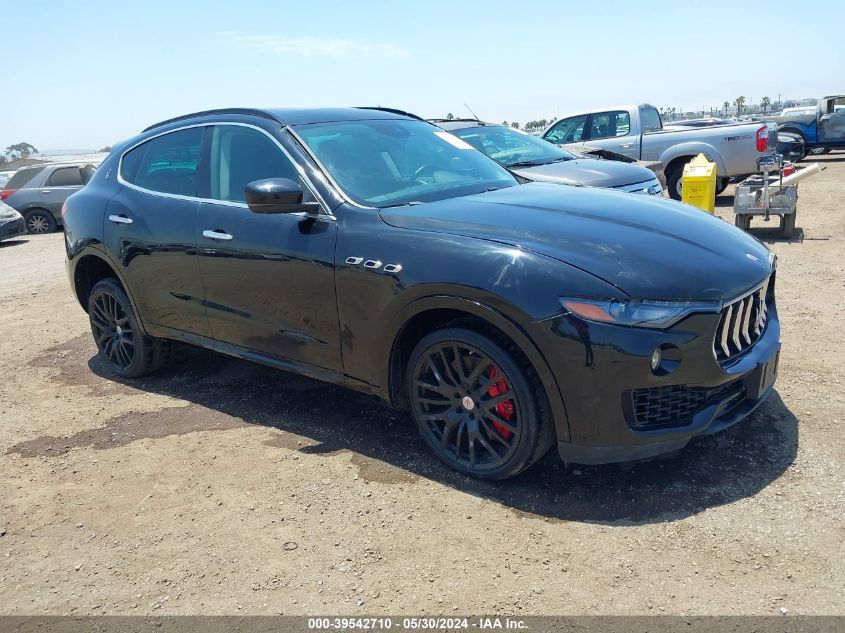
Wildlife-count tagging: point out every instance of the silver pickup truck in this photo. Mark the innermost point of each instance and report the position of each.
(638, 132)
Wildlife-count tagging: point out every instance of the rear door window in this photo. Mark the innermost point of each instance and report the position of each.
(569, 130)
(610, 124)
(65, 177)
(22, 177)
(166, 164)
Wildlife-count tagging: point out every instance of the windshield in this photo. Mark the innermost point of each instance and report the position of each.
(511, 147)
(384, 163)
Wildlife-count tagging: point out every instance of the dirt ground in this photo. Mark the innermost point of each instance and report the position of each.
(218, 486)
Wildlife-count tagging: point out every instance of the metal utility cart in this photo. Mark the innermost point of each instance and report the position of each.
(766, 194)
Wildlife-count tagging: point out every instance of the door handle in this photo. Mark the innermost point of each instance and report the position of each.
(120, 219)
(46, 191)
(626, 145)
(216, 235)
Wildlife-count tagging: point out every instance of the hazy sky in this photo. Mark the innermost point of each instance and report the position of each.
(83, 74)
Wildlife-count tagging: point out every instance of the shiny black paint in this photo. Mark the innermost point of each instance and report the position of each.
(158, 256)
(271, 289)
(281, 292)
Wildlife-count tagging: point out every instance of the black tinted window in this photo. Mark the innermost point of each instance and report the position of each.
(168, 164)
(65, 177)
(23, 176)
(240, 155)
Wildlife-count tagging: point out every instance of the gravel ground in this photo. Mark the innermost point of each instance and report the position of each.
(218, 486)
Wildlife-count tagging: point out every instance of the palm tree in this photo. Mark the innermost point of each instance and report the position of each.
(450, 116)
(515, 125)
(726, 105)
(765, 102)
(740, 101)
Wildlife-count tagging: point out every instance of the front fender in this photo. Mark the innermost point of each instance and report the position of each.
(501, 321)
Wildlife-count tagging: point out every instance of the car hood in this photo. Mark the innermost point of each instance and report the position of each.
(8, 214)
(648, 247)
(587, 171)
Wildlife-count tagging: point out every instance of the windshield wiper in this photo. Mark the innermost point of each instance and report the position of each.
(537, 163)
(401, 204)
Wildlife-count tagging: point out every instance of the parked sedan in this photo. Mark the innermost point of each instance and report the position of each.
(11, 222)
(39, 191)
(537, 160)
(374, 250)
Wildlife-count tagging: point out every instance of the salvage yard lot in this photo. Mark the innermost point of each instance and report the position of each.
(218, 486)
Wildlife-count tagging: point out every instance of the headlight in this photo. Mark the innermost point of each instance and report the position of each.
(656, 314)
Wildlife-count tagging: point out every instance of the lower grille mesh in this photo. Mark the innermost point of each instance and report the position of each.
(675, 405)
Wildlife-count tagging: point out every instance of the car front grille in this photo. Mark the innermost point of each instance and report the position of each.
(676, 405)
(741, 323)
(650, 187)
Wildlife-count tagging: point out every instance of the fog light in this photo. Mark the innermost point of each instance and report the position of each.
(656, 357)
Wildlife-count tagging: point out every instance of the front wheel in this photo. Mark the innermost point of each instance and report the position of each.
(474, 404)
(742, 221)
(117, 333)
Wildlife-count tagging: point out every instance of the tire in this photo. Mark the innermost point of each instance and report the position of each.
(39, 221)
(722, 184)
(673, 182)
(787, 224)
(124, 347)
(457, 380)
(818, 151)
(742, 222)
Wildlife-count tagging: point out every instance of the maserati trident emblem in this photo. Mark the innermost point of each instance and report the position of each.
(753, 258)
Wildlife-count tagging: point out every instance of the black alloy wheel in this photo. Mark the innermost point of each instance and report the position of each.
(120, 341)
(473, 405)
(112, 331)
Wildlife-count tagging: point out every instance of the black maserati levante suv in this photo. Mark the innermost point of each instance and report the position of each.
(371, 249)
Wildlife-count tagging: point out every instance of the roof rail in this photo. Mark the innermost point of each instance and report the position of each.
(249, 111)
(392, 111)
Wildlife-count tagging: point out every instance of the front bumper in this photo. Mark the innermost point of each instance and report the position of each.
(13, 228)
(598, 367)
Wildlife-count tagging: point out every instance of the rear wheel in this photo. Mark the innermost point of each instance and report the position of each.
(742, 221)
(120, 341)
(473, 402)
(40, 221)
(721, 185)
(787, 224)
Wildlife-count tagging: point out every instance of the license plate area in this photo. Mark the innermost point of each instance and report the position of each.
(762, 378)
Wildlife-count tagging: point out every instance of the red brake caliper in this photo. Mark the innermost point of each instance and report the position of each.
(504, 409)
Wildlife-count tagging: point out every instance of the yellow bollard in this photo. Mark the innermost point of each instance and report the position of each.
(699, 183)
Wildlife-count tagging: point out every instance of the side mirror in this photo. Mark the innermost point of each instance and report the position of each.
(277, 195)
